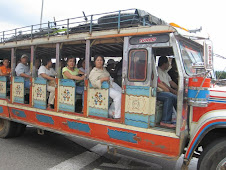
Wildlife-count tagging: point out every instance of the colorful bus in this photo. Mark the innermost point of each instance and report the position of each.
(134, 40)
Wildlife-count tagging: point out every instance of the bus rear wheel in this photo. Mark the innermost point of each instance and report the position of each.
(7, 128)
(214, 156)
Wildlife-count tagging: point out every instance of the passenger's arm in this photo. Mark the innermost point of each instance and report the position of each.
(163, 87)
(173, 84)
(24, 75)
(81, 72)
(45, 76)
(70, 76)
(170, 89)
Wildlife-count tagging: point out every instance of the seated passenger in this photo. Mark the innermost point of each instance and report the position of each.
(71, 72)
(23, 70)
(98, 75)
(36, 67)
(165, 93)
(173, 73)
(47, 72)
(81, 65)
(4, 69)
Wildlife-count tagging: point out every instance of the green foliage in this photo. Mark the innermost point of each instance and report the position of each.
(220, 74)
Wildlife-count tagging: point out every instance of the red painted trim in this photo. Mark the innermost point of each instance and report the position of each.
(218, 91)
(107, 119)
(199, 111)
(30, 95)
(123, 106)
(85, 112)
(56, 96)
(149, 143)
(218, 97)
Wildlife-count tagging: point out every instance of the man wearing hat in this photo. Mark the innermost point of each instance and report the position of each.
(23, 70)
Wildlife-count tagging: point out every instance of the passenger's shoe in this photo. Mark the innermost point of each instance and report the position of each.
(168, 125)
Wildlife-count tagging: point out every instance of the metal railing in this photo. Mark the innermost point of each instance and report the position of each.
(90, 23)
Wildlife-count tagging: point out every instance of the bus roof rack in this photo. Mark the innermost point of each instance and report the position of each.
(111, 20)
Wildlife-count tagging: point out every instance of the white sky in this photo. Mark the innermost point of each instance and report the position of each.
(189, 14)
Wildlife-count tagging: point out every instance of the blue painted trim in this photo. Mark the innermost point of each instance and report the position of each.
(1, 109)
(136, 123)
(203, 94)
(3, 95)
(98, 112)
(45, 119)
(138, 90)
(104, 85)
(137, 117)
(79, 126)
(3, 78)
(19, 100)
(67, 82)
(196, 140)
(18, 79)
(19, 113)
(39, 80)
(217, 101)
(40, 104)
(66, 107)
(152, 120)
(120, 135)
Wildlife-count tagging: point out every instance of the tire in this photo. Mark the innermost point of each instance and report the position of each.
(214, 156)
(7, 128)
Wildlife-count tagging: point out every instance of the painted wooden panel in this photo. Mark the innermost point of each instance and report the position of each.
(139, 107)
(39, 93)
(67, 95)
(98, 100)
(3, 87)
(18, 90)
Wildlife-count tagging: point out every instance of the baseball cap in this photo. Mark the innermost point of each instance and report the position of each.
(24, 55)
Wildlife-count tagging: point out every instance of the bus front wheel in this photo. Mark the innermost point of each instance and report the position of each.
(214, 156)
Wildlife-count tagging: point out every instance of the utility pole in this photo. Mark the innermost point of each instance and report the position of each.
(41, 14)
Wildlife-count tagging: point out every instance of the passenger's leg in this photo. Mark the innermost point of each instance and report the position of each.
(116, 96)
(169, 101)
(80, 90)
(51, 89)
(116, 87)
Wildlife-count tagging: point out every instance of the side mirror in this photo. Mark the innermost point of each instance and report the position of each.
(208, 55)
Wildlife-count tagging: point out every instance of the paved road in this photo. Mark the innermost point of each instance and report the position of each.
(56, 152)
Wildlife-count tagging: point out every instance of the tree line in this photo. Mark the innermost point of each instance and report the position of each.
(220, 74)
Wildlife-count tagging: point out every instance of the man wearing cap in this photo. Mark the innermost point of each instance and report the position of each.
(23, 70)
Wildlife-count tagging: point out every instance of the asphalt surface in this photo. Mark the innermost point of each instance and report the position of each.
(57, 152)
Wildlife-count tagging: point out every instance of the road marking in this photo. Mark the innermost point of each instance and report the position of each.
(82, 160)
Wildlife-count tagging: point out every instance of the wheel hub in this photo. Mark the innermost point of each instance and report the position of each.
(222, 165)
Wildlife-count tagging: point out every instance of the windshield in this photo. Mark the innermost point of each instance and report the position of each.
(191, 54)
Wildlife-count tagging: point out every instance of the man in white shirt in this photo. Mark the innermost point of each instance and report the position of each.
(167, 94)
(23, 70)
(47, 72)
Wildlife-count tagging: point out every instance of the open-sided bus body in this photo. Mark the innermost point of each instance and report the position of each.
(200, 112)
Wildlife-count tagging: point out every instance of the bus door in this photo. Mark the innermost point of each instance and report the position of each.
(139, 100)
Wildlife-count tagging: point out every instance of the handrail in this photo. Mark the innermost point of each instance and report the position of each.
(107, 20)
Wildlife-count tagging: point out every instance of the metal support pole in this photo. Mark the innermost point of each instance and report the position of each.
(41, 14)
(119, 18)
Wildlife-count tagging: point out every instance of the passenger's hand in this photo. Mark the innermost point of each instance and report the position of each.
(82, 77)
(105, 79)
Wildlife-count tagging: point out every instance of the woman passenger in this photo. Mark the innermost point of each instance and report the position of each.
(47, 72)
(4, 69)
(98, 75)
(71, 72)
